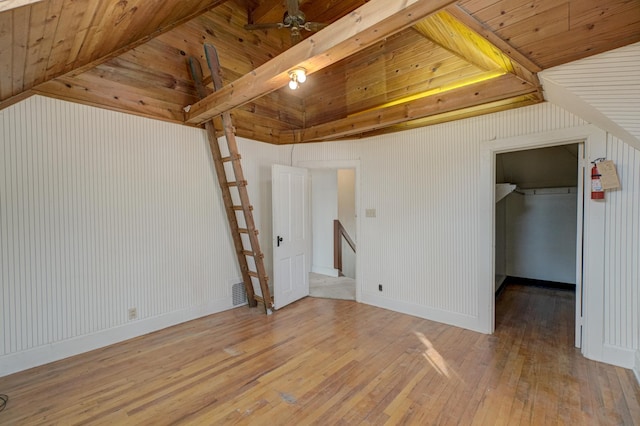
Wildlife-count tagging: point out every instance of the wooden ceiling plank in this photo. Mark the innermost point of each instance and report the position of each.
(489, 108)
(107, 29)
(84, 30)
(6, 64)
(502, 87)
(516, 56)
(411, 67)
(514, 12)
(138, 18)
(374, 21)
(579, 43)
(40, 40)
(267, 11)
(326, 11)
(68, 25)
(128, 75)
(109, 95)
(87, 64)
(550, 23)
(20, 27)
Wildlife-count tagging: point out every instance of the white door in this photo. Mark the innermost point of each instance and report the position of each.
(291, 234)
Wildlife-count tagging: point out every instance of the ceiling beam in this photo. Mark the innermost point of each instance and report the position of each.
(471, 22)
(352, 33)
(457, 37)
(506, 86)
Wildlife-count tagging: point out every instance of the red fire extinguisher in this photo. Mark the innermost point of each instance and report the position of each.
(597, 193)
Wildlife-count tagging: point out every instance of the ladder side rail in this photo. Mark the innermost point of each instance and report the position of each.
(214, 148)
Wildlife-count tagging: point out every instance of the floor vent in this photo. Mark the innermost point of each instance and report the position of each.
(239, 294)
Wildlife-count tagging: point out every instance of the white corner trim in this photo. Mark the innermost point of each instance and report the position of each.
(636, 369)
(561, 96)
(19, 361)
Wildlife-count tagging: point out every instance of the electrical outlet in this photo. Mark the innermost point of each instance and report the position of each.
(379, 287)
(133, 313)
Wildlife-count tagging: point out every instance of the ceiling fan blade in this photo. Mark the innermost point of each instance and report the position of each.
(314, 26)
(293, 8)
(263, 26)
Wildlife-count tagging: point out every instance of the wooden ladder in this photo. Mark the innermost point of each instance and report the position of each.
(233, 178)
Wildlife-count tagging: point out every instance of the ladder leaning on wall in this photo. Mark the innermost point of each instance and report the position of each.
(245, 238)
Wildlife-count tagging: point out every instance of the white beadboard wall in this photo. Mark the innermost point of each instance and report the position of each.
(422, 243)
(101, 212)
(622, 250)
(609, 82)
(421, 246)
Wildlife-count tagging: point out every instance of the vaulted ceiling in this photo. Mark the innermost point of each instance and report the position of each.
(377, 66)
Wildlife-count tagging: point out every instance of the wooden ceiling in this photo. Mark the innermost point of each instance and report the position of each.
(379, 66)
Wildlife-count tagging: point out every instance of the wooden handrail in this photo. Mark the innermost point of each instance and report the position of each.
(338, 232)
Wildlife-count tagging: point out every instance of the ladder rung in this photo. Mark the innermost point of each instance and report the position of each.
(255, 275)
(239, 183)
(260, 299)
(250, 253)
(246, 231)
(240, 208)
(231, 158)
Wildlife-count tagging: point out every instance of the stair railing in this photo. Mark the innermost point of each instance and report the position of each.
(339, 232)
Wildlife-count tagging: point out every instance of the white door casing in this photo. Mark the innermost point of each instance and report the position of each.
(592, 344)
(291, 234)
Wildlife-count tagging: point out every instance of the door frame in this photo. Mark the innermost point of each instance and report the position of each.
(343, 164)
(594, 140)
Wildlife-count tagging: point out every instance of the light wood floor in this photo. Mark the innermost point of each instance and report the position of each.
(337, 362)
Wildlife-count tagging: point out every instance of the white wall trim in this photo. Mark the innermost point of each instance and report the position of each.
(593, 280)
(433, 314)
(622, 357)
(15, 362)
(561, 96)
(343, 164)
(636, 369)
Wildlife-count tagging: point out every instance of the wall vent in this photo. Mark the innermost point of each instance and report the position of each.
(239, 294)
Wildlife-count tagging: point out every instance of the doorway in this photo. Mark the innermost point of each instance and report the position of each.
(334, 196)
(538, 222)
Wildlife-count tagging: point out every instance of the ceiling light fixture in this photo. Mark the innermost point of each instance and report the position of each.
(296, 77)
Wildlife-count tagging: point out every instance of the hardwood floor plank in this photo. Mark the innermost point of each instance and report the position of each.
(322, 361)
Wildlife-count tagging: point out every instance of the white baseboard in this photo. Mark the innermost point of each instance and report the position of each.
(615, 355)
(447, 317)
(332, 272)
(15, 362)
